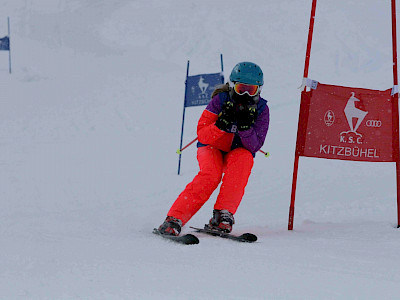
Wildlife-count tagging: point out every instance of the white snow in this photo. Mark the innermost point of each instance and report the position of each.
(90, 121)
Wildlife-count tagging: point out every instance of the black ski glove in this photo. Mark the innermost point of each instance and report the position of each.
(246, 117)
(227, 116)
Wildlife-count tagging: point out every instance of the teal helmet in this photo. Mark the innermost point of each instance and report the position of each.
(247, 72)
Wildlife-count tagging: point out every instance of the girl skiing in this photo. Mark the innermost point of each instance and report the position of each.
(230, 131)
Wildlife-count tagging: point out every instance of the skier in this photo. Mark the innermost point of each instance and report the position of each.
(230, 131)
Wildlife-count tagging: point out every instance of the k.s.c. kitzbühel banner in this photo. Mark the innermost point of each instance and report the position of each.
(346, 123)
(337, 122)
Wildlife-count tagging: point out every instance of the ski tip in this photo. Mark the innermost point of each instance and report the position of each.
(249, 237)
(191, 239)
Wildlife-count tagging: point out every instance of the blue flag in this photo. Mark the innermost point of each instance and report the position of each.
(200, 87)
(5, 43)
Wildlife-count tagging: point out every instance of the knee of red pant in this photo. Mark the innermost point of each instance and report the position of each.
(210, 162)
(242, 154)
(210, 179)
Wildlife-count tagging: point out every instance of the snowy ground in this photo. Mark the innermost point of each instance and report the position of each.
(90, 122)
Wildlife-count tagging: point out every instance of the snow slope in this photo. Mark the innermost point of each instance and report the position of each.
(90, 122)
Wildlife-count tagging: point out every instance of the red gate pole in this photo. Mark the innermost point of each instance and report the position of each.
(310, 35)
(395, 111)
(297, 154)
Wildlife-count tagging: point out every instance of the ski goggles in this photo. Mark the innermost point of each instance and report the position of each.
(242, 88)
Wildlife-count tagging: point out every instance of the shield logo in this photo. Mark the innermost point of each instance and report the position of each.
(329, 118)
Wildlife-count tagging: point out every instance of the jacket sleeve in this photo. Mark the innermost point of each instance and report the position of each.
(208, 133)
(254, 138)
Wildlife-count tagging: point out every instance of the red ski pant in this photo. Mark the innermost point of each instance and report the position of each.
(236, 166)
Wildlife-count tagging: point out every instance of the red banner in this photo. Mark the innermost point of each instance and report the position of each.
(346, 123)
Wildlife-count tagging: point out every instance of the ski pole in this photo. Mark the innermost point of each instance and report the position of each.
(266, 154)
(179, 151)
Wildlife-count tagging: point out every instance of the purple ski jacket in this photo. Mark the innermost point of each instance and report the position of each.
(251, 139)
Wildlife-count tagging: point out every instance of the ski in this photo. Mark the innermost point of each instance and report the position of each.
(186, 239)
(245, 237)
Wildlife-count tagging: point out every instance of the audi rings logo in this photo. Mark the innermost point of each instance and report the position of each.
(374, 123)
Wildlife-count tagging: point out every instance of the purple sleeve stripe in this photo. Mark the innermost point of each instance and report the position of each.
(214, 106)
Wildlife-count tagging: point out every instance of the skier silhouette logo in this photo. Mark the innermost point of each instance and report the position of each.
(352, 112)
(203, 86)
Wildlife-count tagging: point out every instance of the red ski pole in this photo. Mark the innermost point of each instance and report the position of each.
(179, 151)
(266, 154)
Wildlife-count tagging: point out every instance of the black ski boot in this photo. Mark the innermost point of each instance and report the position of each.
(171, 226)
(222, 220)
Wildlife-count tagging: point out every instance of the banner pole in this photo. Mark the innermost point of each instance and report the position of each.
(183, 117)
(309, 41)
(293, 195)
(297, 154)
(222, 70)
(395, 111)
(9, 46)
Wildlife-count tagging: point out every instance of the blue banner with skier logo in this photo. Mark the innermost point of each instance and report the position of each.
(198, 91)
(5, 43)
(200, 87)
